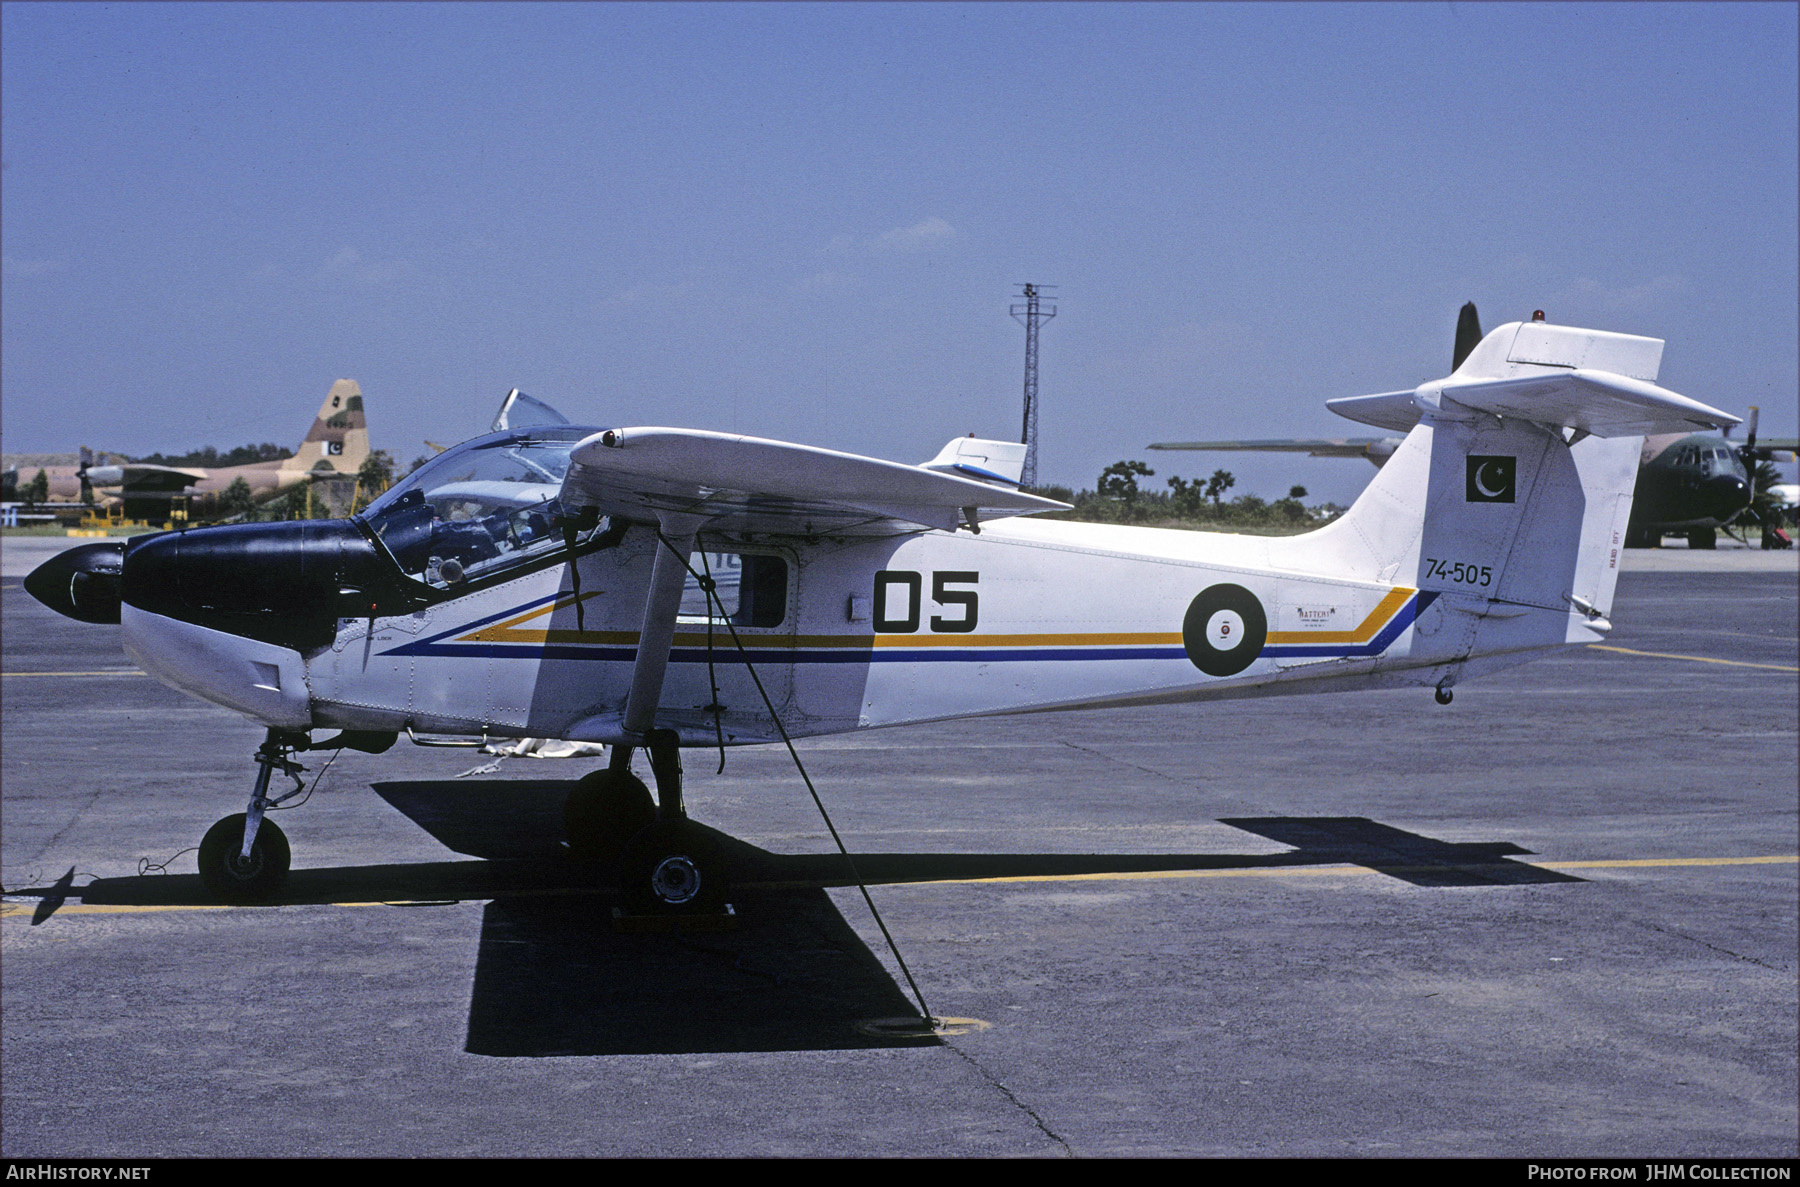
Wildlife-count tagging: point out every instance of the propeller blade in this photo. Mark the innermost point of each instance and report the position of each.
(1750, 429)
(1468, 334)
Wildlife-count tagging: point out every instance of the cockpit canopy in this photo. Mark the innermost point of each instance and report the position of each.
(485, 506)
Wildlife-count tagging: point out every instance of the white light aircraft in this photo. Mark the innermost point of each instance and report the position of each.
(551, 581)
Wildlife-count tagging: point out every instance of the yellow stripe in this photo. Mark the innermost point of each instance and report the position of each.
(1699, 659)
(13, 910)
(504, 632)
(1370, 626)
(1314, 871)
(1127, 638)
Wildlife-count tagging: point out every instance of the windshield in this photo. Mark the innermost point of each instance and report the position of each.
(486, 505)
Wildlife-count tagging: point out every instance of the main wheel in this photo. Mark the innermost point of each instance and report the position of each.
(605, 810)
(237, 879)
(672, 868)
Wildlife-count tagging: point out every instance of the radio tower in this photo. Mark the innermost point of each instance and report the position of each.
(1029, 315)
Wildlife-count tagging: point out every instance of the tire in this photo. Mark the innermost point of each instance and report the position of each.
(606, 809)
(234, 879)
(672, 868)
(1702, 538)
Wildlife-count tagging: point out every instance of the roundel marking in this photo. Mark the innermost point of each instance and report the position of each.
(1224, 630)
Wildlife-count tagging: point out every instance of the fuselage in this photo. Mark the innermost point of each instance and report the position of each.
(932, 625)
(467, 602)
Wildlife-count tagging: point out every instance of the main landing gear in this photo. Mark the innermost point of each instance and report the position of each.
(667, 864)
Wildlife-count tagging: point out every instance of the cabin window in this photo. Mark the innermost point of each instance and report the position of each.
(752, 587)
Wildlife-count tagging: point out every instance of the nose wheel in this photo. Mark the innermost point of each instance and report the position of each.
(230, 874)
(244, 858)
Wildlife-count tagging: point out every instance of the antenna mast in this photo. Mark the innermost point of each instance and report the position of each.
(1029, 315)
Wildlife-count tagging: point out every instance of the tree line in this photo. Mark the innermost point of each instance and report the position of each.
(1117, 497)
(209, 457)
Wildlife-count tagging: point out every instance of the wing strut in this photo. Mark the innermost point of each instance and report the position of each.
(657, 636)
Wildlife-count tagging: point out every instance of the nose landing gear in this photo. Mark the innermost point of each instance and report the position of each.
(244, 858)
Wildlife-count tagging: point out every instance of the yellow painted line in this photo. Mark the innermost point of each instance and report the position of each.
(1314, 871)
(8, 910)
(13, 910)
(111, 672)
(1699, 659)
(1670, 861)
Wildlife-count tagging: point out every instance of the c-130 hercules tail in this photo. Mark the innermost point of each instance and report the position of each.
(556, 581)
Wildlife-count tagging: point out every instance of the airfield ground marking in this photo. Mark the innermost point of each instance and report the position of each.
(13, 910)
(104, 672)
(1699, 659)
(1315, 871)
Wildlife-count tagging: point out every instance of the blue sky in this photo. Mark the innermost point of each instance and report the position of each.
(807, 221)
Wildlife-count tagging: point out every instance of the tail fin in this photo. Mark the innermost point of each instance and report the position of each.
(339, 439)
(1513, 487)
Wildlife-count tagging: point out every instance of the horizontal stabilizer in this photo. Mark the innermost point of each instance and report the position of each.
(1388, 410)
(1592, 381)
(1596, 402)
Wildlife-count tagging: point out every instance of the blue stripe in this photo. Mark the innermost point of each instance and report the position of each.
(724, 655)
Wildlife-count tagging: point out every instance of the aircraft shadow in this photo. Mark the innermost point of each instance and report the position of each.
(520, 819)
(515, 839)
(555, 976)
(1410, 857)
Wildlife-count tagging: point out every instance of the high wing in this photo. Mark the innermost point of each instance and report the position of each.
(1375, 449)
(723, 481)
